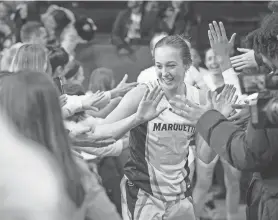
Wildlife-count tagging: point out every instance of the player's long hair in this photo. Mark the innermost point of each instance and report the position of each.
(32, 104)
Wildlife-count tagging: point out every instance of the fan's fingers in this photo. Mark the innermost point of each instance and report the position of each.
(231, 94)
(234, 100)
(180, 113)
(241, 67)
(222, 30)
(217, 30)
(210, 38)
(213, 33)
(236, 58)
(238, 64)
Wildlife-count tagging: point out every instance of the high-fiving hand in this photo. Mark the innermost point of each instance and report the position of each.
(189, 110)
(224, 103)
(219, 41)
(123, 87)
(192, 111)
(147, 109)
(245, 60)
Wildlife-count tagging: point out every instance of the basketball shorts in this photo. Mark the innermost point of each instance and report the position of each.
(139, 205)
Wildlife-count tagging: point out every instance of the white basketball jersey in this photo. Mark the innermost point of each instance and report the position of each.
(159, 150)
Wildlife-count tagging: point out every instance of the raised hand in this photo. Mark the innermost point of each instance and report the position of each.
(246, 60)
(220, 44)
(147, 109)
(218, 39)
(189, 110)
(124, 87)
(224, 102)
(63, 100)
(240, 118)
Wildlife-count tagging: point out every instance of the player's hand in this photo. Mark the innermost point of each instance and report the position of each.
(189, 110)
(225, 101)
(246, 60)
(147, 109)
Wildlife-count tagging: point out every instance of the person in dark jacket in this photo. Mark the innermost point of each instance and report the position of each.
(134, 25)
(253, 150)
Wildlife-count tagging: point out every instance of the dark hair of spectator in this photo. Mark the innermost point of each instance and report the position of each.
(32, 104)
(265, 38)
(101, 79)
(74, 89)
(177, 42)
(30, 29)
(72, 69)
(273, 6)
(57, 57)
(85, 28)
(61, 19)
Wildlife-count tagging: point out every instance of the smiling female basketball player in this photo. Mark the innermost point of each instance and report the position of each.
(156, 184)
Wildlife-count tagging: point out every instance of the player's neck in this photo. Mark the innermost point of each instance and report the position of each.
(180, 90)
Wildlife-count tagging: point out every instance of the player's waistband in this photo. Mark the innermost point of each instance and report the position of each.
(168, 198)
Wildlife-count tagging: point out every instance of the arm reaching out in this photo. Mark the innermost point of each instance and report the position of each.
(146, 111)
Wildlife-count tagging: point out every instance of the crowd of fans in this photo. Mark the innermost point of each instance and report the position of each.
(61, 141)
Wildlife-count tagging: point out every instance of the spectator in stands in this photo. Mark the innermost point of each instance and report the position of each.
(7, 37)
(110, 168)
(177, 18)
(214, 80)
(82, 32)
(55, 20)
(41, 182)
(25, 11)
(33, 32)
(102, 79)
(127, 26)
(196, 77)
(32, 104)
(66, 29)
(58, 59)
(33, 57)
(119, 91)
(74, 73)
(30, 101)
(134, 25)
(7, 57)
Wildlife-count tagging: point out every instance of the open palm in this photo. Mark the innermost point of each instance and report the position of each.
(147, 109)
(224, 103)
